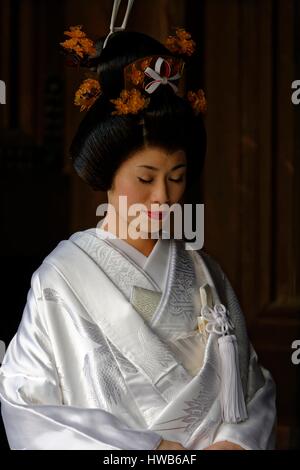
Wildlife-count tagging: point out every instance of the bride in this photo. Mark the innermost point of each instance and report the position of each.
(135, 341)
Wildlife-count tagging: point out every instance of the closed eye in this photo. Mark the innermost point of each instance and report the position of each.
(177, 181)
(150, 181)
(144, 181)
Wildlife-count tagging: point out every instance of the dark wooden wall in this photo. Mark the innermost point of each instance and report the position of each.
(251, 181)
(248, 58)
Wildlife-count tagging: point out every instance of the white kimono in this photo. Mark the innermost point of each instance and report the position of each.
(108, 356)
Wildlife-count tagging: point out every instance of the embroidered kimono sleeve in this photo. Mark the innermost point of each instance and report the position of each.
(258, 431)
(33, 412)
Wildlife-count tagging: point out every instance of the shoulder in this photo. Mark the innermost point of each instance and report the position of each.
(63, 252)
(210, 261)
(219, 277)
(223, 285)
(212, 265)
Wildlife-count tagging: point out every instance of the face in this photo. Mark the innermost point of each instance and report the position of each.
(151, 177)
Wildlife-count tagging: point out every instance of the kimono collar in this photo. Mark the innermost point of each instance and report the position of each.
(155, 264)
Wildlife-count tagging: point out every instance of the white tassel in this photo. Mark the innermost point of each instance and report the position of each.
(217, 321)
(232, 396)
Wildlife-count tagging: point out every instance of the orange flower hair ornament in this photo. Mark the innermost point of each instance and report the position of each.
(181, 43)
(198, 101)
(87, 94)
(79, 48)
(129, 102)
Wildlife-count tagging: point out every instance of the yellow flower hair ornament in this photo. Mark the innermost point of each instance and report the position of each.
(87, 94)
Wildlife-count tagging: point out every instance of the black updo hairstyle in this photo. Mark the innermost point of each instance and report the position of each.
(104, 141)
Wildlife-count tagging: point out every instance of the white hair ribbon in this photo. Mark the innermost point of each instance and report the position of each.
(158, 79)
(114, 14)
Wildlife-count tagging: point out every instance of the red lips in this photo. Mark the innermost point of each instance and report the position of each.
(155, 215)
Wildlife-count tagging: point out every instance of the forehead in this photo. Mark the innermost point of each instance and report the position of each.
(158, 157)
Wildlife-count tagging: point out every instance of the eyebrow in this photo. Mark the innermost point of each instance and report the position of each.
(154, 168)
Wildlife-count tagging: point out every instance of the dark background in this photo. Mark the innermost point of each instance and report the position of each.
(248, 56)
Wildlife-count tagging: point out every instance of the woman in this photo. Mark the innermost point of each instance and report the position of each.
(119, 346)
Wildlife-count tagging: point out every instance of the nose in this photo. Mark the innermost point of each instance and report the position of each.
(160, 194)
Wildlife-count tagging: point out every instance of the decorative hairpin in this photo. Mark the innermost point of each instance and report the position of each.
(143, 77)
(146, 75)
